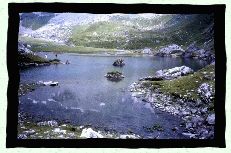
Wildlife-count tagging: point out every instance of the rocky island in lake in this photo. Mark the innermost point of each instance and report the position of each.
(116, 76)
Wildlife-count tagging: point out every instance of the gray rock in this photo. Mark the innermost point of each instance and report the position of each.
(192, 47)
(126, 136)
(173, 72)
(89, 133)
(119, 62)
(22, 136)
(190, 135)
(211, 119)
(169, 50)
(193, 111)
(188, 125)
(147, 51)
(114, 76)
(51, 123)
(206, 91)
(29, 132)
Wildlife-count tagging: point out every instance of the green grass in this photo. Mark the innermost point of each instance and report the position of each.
(42, 45)
(44, 132)
(30, 58)
(186, 85)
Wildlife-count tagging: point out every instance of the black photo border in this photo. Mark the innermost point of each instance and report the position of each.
(104, 8)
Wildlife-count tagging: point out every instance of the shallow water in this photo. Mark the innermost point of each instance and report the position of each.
(84, 96)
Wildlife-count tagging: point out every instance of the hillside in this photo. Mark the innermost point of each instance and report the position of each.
(117, 31)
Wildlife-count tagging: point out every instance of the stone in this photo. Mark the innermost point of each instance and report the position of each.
(51, 123)
(48, 83)
(193, 111)
(102, 104)
(190, 135)
(147, 51)
(22, 136)
(206, 91)
(211, 119)
(127, 136)
(114, 76)
(89, 133)
(173, 73)
(151, 78)
(188, 125)
(169, 50)
(175, 128)
(58, 130)
(119, 62)
(29, 132)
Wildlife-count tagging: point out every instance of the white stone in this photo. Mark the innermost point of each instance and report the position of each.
(102, 104)
(89, 133)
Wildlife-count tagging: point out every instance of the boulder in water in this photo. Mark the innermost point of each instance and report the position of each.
(119, 62)
(114, 76)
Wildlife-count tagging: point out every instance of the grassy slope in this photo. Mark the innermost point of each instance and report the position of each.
(42, 45)
(186, 85)
(115, 34)
(30, 58)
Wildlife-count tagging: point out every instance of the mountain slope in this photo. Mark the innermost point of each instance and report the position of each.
(120, 31)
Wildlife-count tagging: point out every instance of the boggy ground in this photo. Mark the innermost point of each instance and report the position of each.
(190, 97)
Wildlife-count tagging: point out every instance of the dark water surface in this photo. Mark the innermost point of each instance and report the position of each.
(84, 96)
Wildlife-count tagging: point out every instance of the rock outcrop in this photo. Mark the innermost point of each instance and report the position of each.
(203, 53)
(171, 50)
(114, 76)
(206, 92)
(89, 133)
(119, 62)
(23, 48)
(173, 73)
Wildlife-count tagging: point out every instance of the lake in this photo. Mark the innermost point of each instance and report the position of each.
(85, 97)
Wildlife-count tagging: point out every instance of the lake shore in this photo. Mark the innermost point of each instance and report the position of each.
(182, 97)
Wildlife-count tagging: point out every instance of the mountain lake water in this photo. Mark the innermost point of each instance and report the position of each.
(84, 96)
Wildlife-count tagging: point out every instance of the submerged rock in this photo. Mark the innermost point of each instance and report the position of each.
(119, 62)
(89, 133)
(49, 83)
(114, 76)
(173, 72)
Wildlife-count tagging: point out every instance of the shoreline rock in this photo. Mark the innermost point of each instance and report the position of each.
(198, 121)
(52, 129)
